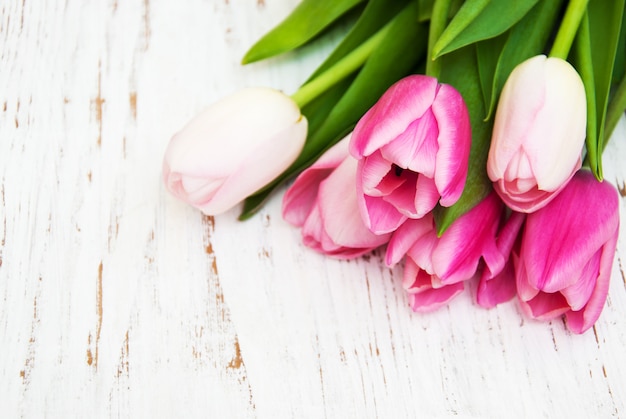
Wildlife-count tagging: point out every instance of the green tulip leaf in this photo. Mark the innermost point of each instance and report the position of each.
(395, 57)
(478, 20)
(460, 70)
(524, 40)
(596, 47)
(617, 98)
(488, 54)
(377, 13)
(306, 21)
(426, 9)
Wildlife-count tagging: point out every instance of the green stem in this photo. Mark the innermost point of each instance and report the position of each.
(343, 68)
(615, 110)
(567, 31)
(438, 23)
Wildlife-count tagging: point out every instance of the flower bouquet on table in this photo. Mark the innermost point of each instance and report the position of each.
(466, 137)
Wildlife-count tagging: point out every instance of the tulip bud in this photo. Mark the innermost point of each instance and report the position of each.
(322, 200)
(567, 250)
(538, 133)
(234, 148)
(413, 149)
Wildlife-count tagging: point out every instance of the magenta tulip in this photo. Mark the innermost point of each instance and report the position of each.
(322, 201)
(567, 251)
(413, 148)
(436, 268)
(538, 133)
(234, 148)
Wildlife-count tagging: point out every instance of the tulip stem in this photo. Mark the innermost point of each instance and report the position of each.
(340, 70)
(576, 9)
(438, 22)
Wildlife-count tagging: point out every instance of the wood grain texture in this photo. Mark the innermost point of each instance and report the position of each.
(116, 300)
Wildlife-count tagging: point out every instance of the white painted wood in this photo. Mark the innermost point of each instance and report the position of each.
(116, 300)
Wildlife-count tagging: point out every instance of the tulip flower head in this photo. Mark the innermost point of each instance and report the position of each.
(322, 201)
(538, 133)
(436, 268)
(413, 148)
(234, 148)
(567, 251)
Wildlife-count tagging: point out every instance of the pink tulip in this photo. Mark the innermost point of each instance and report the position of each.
(436, 268)
(234, 148)
(538, 133)
(413, 148)
(566, 254)
(322, 200)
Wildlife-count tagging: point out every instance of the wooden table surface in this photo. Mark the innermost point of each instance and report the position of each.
(116, 300)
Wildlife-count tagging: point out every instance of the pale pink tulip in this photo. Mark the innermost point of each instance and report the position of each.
(413, 148)
(567, 251)
(538, 133)
(322, 201)
(436, 268)
(234, 148)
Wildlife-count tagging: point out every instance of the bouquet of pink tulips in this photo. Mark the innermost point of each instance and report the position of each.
(464, 137)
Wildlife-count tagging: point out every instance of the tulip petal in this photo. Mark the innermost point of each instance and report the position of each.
(495, 289)
(404, 102)
(416, 148)
(372, 170)
(497, 281)
(456, 256)
(421, 251)
(422, 296)
(403, 197)
(580, 321)
(378, 215)
(299, 199)
(216, 142)
(520, 101)
(558, 133)
(525, 290)
(255, 172)
(454, 144)
(545, 306)
(579, 292)
(425, 196)
(430, 300)
(405, 236)
(338, 205)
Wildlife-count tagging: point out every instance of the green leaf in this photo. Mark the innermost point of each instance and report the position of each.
(478, 20)
(306, 21)
(488, 53)
(377, 13)
(525, 39)
(426, 9)
(317, 110)
(584, 64)
(599, 44)
(397, 55)
(460, 70)
(617, 97)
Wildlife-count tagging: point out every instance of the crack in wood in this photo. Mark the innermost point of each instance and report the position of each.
(97, 104)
